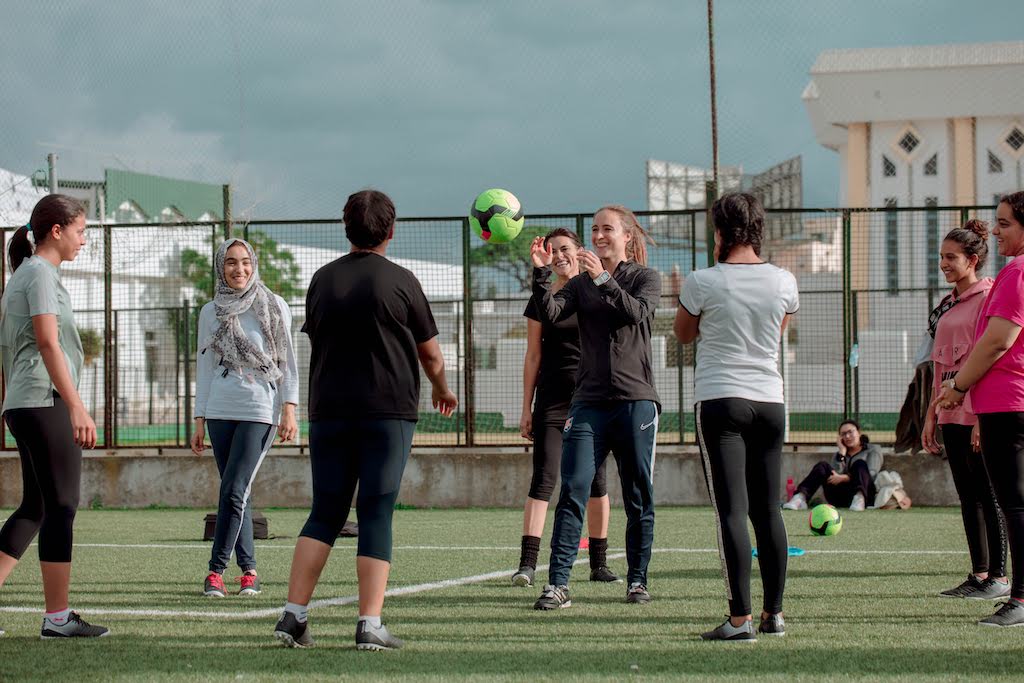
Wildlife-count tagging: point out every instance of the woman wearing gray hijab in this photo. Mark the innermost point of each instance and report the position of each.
(246, 391)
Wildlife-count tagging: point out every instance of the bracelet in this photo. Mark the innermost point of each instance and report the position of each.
(957, 389)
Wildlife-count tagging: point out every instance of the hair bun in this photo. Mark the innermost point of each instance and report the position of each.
(978, 227)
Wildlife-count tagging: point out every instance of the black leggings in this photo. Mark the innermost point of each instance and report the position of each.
(983, 520)
(1002, 446)
(51, 474)
(370, 453)
(547, 461)
(741, 445)
(840, 495)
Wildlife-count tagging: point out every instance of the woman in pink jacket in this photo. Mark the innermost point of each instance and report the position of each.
(952, 324)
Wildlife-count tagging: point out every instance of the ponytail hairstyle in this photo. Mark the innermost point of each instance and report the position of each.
(53, 209)
(636, 248)
(563, 232)
(973, 239)
(739, 219)
(1015, 201)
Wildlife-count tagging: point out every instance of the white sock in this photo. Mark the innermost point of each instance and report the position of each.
(58, 618)
(372, 622)
(301, 612)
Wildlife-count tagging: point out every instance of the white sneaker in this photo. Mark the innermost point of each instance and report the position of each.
(857, 504)
(797, 502)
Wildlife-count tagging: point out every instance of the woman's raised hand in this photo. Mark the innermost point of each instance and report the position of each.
(540, 253)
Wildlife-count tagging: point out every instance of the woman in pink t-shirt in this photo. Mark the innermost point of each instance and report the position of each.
(952, 324)
(994, 375)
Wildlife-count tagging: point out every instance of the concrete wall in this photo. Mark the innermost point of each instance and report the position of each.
(486, 477)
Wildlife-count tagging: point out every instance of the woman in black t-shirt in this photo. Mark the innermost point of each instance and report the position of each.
(549, 370)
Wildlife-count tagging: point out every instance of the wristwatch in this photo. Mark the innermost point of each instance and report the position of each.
(604, 277)
(951, 384)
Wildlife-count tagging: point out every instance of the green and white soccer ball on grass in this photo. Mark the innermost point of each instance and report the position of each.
(825, 520)
(496, 216)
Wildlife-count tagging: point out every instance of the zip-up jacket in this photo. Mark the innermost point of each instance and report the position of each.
(615, 330)
(871, 454)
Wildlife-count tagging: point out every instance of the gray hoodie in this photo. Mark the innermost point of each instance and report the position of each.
(870, 454)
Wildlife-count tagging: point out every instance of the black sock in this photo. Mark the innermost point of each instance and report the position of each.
(531, 547)
(598, 552)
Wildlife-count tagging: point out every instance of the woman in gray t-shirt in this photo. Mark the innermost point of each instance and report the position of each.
(42, 361)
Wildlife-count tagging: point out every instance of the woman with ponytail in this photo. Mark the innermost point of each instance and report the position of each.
(42, 362)
(247, 387)
(614, 406)
(952, 325)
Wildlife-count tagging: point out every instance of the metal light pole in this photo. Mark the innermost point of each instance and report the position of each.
(51, 161)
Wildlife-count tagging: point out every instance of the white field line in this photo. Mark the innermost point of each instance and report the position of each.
(273, 611)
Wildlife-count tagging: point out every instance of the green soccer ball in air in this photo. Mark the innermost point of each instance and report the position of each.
(825, 520)
(496, 216)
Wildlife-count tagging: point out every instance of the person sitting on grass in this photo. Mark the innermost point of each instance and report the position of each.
(847, 481)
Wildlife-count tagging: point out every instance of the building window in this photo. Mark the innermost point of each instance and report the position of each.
(931, 167)
(888, 168)
(995, 164)
(909, 142)
(931, 228)
(892, 247)
(1015, 139)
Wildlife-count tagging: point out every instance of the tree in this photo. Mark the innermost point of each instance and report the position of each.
(511, 259)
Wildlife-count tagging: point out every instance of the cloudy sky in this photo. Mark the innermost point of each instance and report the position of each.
(299, 103)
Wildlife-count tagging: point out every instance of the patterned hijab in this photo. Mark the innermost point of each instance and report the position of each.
(229, 341)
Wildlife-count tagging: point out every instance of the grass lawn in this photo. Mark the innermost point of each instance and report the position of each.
(859, 606)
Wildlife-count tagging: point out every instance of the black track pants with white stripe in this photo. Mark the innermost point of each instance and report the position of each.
(741, 448)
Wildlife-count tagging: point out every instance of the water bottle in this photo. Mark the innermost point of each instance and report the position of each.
(855, 356)
(790, 488)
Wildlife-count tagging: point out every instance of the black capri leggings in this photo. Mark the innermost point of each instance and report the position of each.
(51, 475)
(741, 445)
(1002, 445)
(547, 462)
(370, 453)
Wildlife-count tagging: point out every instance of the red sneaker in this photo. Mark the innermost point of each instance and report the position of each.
(214, 586)
(250, 585)
(585, 543)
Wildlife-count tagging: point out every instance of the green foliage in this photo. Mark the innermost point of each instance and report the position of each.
(92, 344)
(512, 258)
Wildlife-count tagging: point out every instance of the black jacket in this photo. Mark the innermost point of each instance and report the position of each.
(615, 330)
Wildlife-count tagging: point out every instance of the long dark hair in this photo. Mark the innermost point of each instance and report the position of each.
(739, 219)
(1015, 200)
(563, 232)
(973, 240)
(53, 209)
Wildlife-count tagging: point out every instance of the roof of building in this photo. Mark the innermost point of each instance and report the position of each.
(919, 57)
(17, 198)
(152, 194)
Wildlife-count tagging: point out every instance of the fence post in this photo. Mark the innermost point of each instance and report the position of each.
(108, 323)
(186, 345)
(580, 228)
(847, 313)
(228, 227)
(469, 356)
(3, 379)
(710, 195)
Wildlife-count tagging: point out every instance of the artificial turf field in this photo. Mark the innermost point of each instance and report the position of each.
(859, 606)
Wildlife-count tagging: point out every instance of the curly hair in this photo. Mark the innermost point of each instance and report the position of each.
(1015, 200)
(739, 220)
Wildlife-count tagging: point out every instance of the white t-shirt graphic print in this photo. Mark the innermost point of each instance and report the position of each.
(741, 307)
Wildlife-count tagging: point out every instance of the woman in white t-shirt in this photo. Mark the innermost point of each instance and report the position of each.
(737, 312)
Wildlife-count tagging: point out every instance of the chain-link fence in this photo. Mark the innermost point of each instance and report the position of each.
(868, 279)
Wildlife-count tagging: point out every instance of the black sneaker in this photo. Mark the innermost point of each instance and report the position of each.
(553, 597)
(971, 585)
(604, 575)
(990, 589)
(637, 594)
(74, 627)
(732, 634)
(774, 625)
(370, 638)
(523, 577)
(293, 634)
(1010, 613)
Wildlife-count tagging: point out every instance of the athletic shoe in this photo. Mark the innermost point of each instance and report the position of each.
(604, 575)
(250, 585)
(2, 632)
(213, 587)
(858, 504)
(1010, 613)
(732, 634)
(293, 634)
(990, 589)
(774, 625)
(797, 502)
(523, 577)
(971, 585)
(73, 627)
(637, 594)
(553, 597)
(370, 638)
